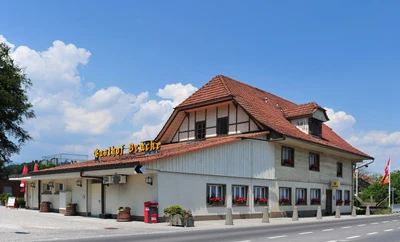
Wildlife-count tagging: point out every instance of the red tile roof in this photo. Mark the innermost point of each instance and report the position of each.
(167, 150)
(268, 109)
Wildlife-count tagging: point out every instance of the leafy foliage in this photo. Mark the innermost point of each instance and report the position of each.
(14, 106)
(379, 191)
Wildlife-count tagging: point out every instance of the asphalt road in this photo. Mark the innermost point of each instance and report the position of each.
(375, 228)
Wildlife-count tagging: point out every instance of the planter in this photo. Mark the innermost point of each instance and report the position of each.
(217, 204)
(258, 203)
(124, 215)
(45, 207)
(70, 210)
(240, 204)
(186, 221)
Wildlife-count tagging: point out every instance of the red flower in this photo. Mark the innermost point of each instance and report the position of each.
(216, 199)
(339, 201)
(301, 200)
(347, 201)
(240, 199)
(284, 201)
(314, 166)
(315, 200)
(262, 199)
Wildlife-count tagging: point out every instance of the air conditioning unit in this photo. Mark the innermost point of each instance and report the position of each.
(114, 179)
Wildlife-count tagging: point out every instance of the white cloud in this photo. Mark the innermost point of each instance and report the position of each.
(3, 40)
(177, 92)
(90, 86)
(379, 144)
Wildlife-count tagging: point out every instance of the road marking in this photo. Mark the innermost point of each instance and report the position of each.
(245, 241)
(325, 230)
(387, 230)
(332, 241)
(374, 223)
(360, 225)
(353, 237)
(372, 233)
(306, 233)
(394, 220)
(347, 227)
(385, 222)
(277, 237)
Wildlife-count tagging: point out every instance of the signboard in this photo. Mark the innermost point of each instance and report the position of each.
(11, 202)
(335, 184)
(146, 146)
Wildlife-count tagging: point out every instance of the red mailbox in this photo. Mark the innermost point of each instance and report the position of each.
(150, 212)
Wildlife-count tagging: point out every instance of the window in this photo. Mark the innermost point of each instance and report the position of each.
(239, 195)
(7, 189)
(301, 196)
(222, 126)
(201, 130)
(347, 200)
(339, 200)
(314, 162)
(339, 169)
(285, 196)
(287, 156)
(315, 127)
(59, 187)
(315, 196)
(260, 195)
(216, 195)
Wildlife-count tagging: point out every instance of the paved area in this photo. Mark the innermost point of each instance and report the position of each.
(31, 225)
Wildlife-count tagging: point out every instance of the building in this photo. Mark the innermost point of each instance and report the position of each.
(227, 145)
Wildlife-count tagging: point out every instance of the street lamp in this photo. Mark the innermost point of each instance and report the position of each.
(356, 172)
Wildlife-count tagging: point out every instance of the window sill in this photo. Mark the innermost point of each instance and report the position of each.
(216, 205)
(287, 165)
(47, 193)
(285, 204)
(301, 204)
(314, 169)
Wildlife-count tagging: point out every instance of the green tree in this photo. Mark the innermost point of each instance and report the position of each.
(14, 106)
(381, 191)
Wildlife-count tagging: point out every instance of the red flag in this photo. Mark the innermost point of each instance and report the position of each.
(385, 178)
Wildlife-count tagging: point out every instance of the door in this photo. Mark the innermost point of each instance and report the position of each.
(95, 197)
(328, 201)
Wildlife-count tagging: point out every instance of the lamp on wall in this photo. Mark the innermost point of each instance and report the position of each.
(149, 180)
(50, 184)
(33, 184)
(78, 183)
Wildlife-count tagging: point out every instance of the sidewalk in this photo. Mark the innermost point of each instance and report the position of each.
(31, 225)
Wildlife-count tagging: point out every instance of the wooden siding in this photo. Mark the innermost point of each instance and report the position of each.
(14, 186)
(247, 158)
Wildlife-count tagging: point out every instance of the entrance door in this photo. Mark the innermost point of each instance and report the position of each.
(328, 201)
(95, 197)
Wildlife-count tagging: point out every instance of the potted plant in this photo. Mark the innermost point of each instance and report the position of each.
(340, 173)
(2, 199)
(339, 202)
(70, 209)
(301, 201)
(21, 202)
(284, 201)
(45, 206)
(315, 201)
(347, 202)
(261, 201)
(216, 201)
(179, 216)
(124, 214)
(288, 162)
(240, 201)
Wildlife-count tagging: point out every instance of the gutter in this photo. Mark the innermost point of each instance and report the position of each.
(265, 140)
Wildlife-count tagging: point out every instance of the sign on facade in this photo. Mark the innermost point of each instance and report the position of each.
(335, 184)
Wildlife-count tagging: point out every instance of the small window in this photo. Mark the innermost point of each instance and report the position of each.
(301, 196)
(339, 200)
(339, 169)
(314, 162)
(315, 127)
(285, 196)
(215, 195)
(287, 156)
(222, 126)
(239, 195)
(201, 130)
(59, 188)
(7, 189)
(260, 195)
(347, 200)
(315, 196)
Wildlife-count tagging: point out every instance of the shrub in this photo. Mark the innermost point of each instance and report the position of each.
(21, 202)
(176, 210)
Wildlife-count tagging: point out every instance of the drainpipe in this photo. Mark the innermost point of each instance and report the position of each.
(39, 186)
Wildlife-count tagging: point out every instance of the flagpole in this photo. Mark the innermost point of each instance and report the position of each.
(389, 182)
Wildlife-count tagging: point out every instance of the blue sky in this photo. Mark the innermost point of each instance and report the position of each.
(134, 61)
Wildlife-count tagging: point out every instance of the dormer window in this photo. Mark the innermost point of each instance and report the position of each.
(315, 127)
(222, 126)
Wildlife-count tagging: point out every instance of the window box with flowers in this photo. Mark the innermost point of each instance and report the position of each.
(315, 201)
(216, 201)
(347, 202)
(240, 201)
(339, 202)
(284, 201)
(301, 201)
(261, 201)
(314, 167)
(288, 162)
(340, 173)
